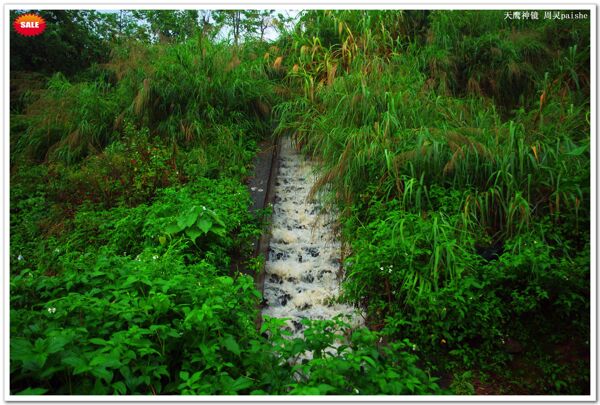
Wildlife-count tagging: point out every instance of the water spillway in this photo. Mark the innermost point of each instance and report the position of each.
(302, 271)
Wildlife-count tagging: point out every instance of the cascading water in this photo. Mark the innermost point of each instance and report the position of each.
(302, 277)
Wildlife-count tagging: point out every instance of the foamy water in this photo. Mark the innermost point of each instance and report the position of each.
(303, 275)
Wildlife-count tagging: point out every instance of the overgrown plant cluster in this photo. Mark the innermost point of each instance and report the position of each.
(457, 147)
(454, 143)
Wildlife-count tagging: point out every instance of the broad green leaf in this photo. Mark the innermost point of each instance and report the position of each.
(231, 345)
(129, 281)
(119, 388)
(35, 361)
(173, 228)
(20, 348)
(146, 350)
(215, 218)
(370, 361)
(218, 230)
(193, 233)
(79, 364)
(226, 280)
(305, 391)
(204, 224)
(188, 219)
(110, 361)
(325, 388)
(103, 373)
(241, 384)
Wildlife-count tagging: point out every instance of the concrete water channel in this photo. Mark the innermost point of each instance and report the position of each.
(302, 274)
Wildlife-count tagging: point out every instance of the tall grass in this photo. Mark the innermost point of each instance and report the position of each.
(184, 93)
(69, 121)
(468, 103)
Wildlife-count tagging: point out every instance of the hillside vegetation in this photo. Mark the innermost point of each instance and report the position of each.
(455, 145)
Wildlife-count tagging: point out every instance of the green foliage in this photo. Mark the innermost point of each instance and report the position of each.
(129, 171)
(195, 222)
(243, 23)
(71, 42)
(124, 325)
(69, 121)
(112, 324)
(456, 145)
(177, 25)
(123, 312)
(452, 136)
(408, 254)
(462, 385)
(356, 365)
(227, 103)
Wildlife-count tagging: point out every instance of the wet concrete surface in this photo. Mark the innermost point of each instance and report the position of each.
(261, 185)
(260, 182)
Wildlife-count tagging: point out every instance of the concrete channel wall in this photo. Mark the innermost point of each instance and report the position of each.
(262, 190)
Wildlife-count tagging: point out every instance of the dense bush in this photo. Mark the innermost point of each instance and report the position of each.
(459, 157)
(161, 319)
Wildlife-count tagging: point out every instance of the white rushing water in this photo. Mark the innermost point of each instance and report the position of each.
(302, 277)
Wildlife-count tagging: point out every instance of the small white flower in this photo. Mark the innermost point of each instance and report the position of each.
(20, 258)
(57, 250)
(155, 257)
(51, 310)
(203, 208)
(253, 188)
(356, 391)
(260, 190)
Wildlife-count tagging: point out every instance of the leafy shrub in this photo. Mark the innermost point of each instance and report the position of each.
(537, 283)
(130, 171)
(126, 311)
(408, 254)
(124, 325)
(360, 366)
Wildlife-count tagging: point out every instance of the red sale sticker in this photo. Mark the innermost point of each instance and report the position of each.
(29, 25)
